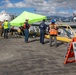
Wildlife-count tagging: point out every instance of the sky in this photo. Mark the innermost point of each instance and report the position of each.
(43, 7)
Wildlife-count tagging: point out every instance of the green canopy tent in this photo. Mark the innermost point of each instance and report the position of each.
(18, 21)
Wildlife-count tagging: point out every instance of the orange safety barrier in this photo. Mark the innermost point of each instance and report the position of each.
(70, 57)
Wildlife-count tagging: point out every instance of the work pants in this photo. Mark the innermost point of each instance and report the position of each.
(53, 38)
(6, 33)
(1, 32)
(41, 37)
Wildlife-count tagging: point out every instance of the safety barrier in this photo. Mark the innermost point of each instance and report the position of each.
(71, 52)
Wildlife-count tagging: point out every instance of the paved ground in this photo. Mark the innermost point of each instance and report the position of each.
(20, 58)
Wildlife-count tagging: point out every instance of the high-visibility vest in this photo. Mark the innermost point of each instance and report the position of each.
(6, 25)
(0, 25)
(53, 29)
(26, 26)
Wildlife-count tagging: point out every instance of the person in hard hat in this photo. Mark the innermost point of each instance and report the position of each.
(6, 26)
(42, 27)
(26, 30)
(53, 32)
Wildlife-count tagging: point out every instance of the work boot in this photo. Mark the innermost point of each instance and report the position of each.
(50, 45)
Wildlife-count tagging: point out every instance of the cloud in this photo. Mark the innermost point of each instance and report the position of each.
(3, 11)
(49, 7)
(74, 11)
(7, 4)
(19, 5)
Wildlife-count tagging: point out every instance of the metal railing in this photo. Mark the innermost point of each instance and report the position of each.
(68, 27)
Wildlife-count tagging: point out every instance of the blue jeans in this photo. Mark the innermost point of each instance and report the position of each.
(26, 32)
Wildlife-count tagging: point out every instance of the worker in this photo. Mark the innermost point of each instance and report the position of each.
(1, 29)
(53, 32)
(6, 26)
(42, 27)
(26, 30)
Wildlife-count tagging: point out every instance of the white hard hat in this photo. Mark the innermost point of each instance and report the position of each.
(27, 19)
(6, 19)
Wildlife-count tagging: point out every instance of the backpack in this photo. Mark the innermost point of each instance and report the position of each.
(26, 26)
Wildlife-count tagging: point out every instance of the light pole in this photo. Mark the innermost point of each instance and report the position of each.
(34, 10)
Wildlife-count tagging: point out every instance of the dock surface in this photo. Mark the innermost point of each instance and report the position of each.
(33, 58)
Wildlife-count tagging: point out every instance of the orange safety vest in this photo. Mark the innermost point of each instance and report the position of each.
(53, 29)
(0, 25)
(24, 26)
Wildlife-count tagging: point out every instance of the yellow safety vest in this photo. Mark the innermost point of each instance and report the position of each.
(6, 25)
